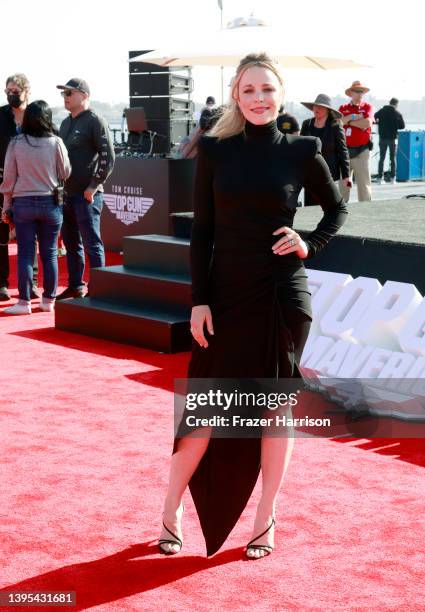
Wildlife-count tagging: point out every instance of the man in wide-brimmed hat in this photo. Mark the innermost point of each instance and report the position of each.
(357, 120)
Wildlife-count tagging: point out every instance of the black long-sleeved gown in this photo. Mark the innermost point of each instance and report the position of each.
(246, 187)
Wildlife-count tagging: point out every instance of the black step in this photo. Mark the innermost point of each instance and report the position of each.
(157, 253)
(181, 223)
(136, 287)
(162, 330)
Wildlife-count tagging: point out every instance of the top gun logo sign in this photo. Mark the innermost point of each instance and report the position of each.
(127, 208)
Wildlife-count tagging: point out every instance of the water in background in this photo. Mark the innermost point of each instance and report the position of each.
(374, 153)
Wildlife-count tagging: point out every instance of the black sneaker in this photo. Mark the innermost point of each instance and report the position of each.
(4, 294)
(71, 292)
(35, 293)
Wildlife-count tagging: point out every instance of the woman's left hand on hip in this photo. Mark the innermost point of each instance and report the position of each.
(291, 242)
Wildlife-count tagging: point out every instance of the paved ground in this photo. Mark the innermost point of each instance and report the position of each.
(395, 219)
(398, 191)
(393, 192)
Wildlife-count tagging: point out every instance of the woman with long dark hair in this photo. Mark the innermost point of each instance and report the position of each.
(251, 305)
(36, 164)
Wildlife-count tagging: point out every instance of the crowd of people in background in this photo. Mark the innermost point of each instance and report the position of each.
(52, 182)
(345, 133)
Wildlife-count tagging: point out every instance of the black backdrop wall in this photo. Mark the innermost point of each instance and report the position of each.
(141, 194)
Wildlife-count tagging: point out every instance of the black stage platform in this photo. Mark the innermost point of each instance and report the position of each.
(146, 301)
(383, 240)
(389, 220)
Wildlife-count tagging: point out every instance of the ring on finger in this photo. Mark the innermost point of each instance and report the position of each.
(292, 242)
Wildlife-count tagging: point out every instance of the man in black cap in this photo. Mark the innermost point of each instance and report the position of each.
(286, 123)
(207, 113)
(91, 153)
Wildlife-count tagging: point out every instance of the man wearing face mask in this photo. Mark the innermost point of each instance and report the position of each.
(11, 115)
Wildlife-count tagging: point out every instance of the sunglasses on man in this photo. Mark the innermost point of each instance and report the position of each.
(67, 93)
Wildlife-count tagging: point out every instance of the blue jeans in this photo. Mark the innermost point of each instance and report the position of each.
(37, 217)
(81, 230)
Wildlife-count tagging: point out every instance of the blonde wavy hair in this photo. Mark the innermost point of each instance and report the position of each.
(232, 121)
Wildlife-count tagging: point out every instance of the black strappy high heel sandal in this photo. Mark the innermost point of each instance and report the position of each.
(176, 540)
(267, 549)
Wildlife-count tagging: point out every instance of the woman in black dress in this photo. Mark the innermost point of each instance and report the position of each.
(251, 305)
(327, 126)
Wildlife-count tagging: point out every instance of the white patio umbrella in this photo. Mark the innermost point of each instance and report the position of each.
(201, 57)
(240, 37)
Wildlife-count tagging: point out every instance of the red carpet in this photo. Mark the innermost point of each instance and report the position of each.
(86, 436)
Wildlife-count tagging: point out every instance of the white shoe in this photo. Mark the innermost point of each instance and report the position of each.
(47, 305)
(20, 308)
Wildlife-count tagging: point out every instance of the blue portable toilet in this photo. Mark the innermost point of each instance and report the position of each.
(410, 155)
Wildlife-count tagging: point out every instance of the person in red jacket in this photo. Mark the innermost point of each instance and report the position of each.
(357, 121)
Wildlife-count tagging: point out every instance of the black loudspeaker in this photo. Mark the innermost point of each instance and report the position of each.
(159, 84)
(170, 133)
(160, 108)
(154, 88)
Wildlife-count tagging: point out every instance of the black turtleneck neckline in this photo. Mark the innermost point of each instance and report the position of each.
(267, 132)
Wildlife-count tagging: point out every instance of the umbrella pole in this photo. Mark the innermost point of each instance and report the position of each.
(222, 84)
(220, 4)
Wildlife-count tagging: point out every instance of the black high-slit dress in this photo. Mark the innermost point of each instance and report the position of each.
(246, 187)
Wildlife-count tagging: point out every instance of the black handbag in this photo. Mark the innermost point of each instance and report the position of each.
(58, 191)
(355, 151)
(58, 195)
